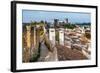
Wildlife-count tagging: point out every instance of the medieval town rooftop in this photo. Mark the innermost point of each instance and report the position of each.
(57, 41)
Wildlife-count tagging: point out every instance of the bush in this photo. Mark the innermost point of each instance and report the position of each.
(57, 36)
(41, 32)
(88, 35)
(36, 55)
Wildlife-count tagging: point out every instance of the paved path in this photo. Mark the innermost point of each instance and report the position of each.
(43, 52)
(52, 56)
(46, 55)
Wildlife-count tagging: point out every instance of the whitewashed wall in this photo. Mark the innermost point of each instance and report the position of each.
(61, 36)
(52, 35)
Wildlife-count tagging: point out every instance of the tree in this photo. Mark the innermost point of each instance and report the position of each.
(42, 21)
(70, 26)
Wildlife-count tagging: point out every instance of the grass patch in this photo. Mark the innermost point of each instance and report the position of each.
(36, 55)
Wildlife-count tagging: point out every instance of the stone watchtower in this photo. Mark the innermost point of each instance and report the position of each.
(66, 20)
(55, 22)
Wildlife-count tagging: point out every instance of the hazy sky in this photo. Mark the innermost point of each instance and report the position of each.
(73, 17)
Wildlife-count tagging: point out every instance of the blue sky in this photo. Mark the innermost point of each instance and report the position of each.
(73, 17)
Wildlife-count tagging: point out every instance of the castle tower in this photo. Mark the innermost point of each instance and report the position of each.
(56, 22)
(66, 20)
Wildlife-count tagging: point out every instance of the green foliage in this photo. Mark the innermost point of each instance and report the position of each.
(33, 23)
(47, 42)
(88, 35)
(57, 36)
(70, 26)
(37, 23)
(36, 55)
(41, 32)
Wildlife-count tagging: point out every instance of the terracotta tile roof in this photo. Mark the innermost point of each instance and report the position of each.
(65, 53)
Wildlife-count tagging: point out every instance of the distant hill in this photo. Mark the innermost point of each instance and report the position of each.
(25, 23)
(83, 23)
